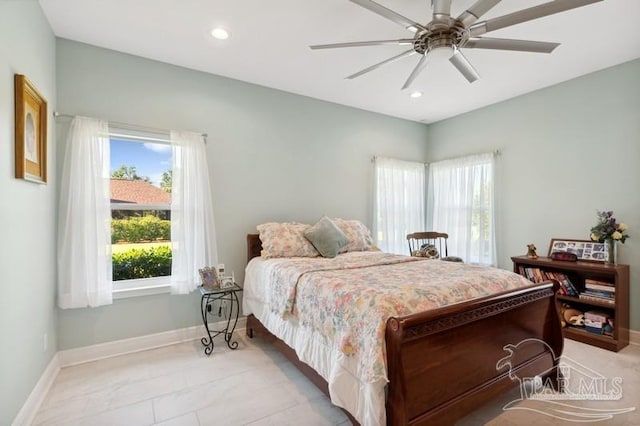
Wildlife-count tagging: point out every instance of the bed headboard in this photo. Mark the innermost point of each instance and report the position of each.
(254, 246)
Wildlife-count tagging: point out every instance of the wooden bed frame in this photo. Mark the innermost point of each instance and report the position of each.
(441, 363)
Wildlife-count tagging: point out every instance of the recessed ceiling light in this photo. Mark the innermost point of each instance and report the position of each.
(415, 94)
(220, 33)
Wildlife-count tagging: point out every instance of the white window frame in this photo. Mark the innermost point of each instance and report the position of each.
(139, 286)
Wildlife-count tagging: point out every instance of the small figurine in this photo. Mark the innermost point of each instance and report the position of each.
(531, 251)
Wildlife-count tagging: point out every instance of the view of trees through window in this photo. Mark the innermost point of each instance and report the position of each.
(141, 178)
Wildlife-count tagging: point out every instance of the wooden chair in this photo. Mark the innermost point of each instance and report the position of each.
(417, 240)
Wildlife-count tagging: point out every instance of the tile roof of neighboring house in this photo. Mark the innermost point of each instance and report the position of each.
(137, 192)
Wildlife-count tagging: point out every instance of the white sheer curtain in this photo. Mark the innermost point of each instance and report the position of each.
(193, 236)
(461, 203)
(399, 205)
(84, 223)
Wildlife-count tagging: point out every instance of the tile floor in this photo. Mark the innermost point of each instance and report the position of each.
(179, 386)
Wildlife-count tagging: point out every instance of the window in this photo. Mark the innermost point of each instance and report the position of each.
(140, 188)
(399, 207)
(460, 203)
(88, 220)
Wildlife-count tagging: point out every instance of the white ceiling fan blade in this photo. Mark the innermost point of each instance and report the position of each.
(379, 64)
(508, 44)
(441, 10)
(464, 66)
(389, 14)
(362, 43)
(525, 15)
(416, 71)
(474, 13)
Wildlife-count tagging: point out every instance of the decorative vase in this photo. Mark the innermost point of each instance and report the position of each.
(611, 252)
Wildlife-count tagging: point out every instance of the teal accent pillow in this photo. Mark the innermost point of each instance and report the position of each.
(326, 237)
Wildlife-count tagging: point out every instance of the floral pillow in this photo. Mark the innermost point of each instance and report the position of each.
(285, 240)
(357, 233)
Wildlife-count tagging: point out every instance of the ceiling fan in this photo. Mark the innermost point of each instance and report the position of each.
(444, 32)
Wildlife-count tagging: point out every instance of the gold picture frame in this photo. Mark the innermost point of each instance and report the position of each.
(30, 131)
(585, 250)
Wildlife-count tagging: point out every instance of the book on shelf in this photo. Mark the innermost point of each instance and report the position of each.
(538, 275)
(593, 326)
(599, 287)
(565, 282)
(601, 294)
(590, 298)
(532, 274)
(598, 282)
(596, 316)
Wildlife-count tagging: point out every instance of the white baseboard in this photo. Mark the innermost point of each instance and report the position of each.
(136, 344)
(634, 337)
(32, 404)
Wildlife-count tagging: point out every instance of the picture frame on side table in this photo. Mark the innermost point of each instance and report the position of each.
(209, 278)
(30, 132)
(585, 250)
(227, 282)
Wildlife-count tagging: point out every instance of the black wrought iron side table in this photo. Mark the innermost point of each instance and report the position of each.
(213, 299)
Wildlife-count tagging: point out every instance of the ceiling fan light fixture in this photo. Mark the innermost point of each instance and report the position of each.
(220, 33)
(440, 53)
(464, 66)
(416, 94)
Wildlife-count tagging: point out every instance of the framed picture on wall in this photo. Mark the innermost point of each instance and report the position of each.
(30, 131)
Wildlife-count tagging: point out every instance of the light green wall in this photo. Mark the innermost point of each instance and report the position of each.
(567, 151)
(27, 216)
(272, 155)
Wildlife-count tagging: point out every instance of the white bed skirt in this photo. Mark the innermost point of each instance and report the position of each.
(365, 401)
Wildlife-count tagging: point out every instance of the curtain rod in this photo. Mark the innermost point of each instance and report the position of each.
(495, 152)
(131, 126)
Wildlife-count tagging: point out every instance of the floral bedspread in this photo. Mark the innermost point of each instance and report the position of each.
(348, 299)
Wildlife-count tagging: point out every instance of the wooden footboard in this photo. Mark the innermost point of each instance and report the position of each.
(442, 364)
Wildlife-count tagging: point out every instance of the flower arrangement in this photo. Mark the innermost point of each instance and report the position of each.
(608, 229)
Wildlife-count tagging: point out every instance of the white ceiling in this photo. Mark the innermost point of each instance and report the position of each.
(269, 46)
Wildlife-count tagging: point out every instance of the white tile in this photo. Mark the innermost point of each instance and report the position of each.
(53, 412)
(179, 386)
(147, 389)
(192, 398)
(190, 419)
(240, 406)
(212, 393)
(315, 412)
(140, 414)
(110, 397)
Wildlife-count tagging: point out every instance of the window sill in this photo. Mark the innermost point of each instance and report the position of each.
(143, 287)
